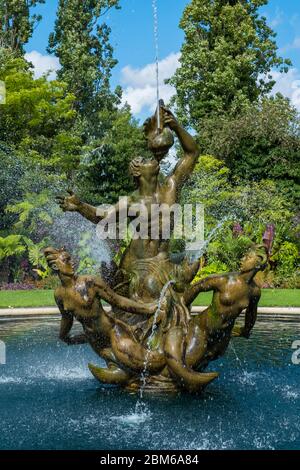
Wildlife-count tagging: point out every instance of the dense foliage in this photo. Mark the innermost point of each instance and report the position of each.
(103, 173)
(249, 173)
(72, 132)
(226, 58)
(38, 117)
(53, 133)
(262, 142)
(249, 206)
(86, 56)
(17, 23)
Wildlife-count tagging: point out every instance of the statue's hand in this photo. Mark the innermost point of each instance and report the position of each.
(152, 307)
(169, 119)
(68, 203)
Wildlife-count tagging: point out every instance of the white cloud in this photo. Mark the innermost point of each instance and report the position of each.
(277, 19)
(296, 43)
(139, 84)
(294, 20)
(43, 64)
(293, 45)
(288, 84)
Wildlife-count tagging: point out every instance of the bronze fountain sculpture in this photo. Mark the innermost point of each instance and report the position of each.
(149, 338)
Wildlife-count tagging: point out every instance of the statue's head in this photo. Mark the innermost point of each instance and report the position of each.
(255, 258)
(60, 261)
(159, 140)
(141, 167)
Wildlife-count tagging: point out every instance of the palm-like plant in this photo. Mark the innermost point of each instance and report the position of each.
(37, 258)
(11, 246)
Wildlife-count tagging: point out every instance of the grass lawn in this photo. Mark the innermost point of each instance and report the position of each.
(26, 298)
(44, 298)
(269, 298)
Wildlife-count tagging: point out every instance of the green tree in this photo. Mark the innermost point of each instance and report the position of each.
(86, 56)
(81, 40)
(10, 190)
(38, 117)
(210, 186)
(262, 142)
(103, 173)
(226, 59)
(17, 23)
(254, 202)
(39, 149)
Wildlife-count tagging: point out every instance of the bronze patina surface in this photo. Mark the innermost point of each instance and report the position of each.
(149, 337)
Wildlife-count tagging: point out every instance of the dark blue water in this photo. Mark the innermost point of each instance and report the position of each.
(49, 400)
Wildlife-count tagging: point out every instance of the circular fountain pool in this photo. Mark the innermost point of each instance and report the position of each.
(49, 400)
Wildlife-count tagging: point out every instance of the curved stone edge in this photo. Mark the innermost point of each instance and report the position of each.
(262, 310)
(44, 311)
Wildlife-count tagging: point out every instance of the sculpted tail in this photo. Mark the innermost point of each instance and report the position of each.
(186, 377)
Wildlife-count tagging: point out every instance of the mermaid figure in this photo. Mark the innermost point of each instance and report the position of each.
(80, 298)
(210, 331)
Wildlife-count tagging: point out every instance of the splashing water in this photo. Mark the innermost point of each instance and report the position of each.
(104, 419)
(236, 356)
(140, 414)
(153, 329)
(205, 244)
(79, 237)
(155, 18)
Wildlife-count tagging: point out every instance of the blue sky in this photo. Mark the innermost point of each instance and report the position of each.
(133, 41)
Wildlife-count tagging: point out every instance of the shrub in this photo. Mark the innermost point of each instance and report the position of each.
(286, 259)
(16, 286)
(213, 268)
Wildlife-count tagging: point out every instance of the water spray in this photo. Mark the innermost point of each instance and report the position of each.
(155, 17)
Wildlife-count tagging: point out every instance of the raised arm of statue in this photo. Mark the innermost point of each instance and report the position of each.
(190, 269)
(72, 203)
(116, 300)
(209, 283)
(186, 165)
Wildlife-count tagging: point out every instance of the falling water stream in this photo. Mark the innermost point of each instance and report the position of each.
(155, 18)
(153, 330)
(236, 356)
(141, 411)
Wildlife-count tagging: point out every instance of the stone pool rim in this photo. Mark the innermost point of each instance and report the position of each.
(30, 312)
